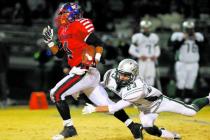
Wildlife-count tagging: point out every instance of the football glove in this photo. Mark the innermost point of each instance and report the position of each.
(88, 109)
(77, 71)
(47, 34)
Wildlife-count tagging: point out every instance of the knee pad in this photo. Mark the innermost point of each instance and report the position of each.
(153, 131)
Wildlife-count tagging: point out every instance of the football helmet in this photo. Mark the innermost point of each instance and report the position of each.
(68, 13)
(145, 26)
(129, 68)
(188, 27)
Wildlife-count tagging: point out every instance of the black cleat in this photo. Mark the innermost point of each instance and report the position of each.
(136, 130)
(68, 131)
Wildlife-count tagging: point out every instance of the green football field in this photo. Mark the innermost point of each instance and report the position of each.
(20, 123)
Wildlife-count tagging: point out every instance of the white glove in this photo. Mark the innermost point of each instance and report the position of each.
(88, 109)
(77, 71)
(97, 57)
(47, 35)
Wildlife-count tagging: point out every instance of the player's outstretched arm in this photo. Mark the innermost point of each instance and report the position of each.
(89, 108)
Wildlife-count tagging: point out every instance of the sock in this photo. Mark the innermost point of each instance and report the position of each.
(154, 130)
(188, 93)
(179, 93)
(63, 109)
(123, 117)
(128, 122)
(200, 103)
(68, 122)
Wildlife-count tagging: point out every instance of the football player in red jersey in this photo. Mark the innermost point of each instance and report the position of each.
(75, 40)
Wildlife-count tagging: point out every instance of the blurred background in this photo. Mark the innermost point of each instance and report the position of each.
(29, 66)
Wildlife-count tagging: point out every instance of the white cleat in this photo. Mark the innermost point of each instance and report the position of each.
(177, 136)
(58, 137)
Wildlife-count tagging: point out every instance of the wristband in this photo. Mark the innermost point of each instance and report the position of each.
(98, 56)
(51, 44)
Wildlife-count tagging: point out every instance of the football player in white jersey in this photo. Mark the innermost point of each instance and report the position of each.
(186, 45)
(124, 81)
(144, 46)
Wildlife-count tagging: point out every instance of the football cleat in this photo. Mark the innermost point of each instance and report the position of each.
(68, 131)
(58, 137)
(136, 130)
(177, 136)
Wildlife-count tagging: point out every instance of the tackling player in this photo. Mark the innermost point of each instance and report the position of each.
(77, 42)
(124, 81)
(186, 46)
(146, 49)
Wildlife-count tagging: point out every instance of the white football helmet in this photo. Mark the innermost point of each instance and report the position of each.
(127, 67)
(188, 26)
(145, 26)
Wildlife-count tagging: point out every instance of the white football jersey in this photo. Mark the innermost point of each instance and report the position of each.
(145, 97)
(145, 46)
(189, 50)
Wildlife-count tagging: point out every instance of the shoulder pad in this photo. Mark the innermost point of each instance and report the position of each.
(154, 38)
(108, 79)
(134, 92)
(199, 37)
(177, 36)
(86, 24)
(132, 95)
(108, 72)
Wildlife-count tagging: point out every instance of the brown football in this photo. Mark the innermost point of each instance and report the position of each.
(88, 55)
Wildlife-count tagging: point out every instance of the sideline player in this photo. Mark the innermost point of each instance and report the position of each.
(146, 49)
(75, 35)
(150, 101)
(186, 46)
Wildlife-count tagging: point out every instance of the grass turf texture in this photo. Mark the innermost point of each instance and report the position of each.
(20, 123)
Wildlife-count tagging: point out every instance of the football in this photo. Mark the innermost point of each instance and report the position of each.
(88, 56)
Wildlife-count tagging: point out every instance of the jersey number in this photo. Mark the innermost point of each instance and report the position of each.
(133, 85)
(191, 48)
(149, 48)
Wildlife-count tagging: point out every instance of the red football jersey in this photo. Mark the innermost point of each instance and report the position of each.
(73, 38)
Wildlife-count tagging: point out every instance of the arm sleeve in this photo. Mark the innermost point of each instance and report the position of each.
(177, 44)
(133, 50)
(118, 106)
(61, 52)
(106, 77)
(92, 39)
(157, 51)
(86, 28)
(157, 47)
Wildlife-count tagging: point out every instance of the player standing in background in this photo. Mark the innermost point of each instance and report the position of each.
(124, 81)
(186, 46)
(144, 46)
(76, 41)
